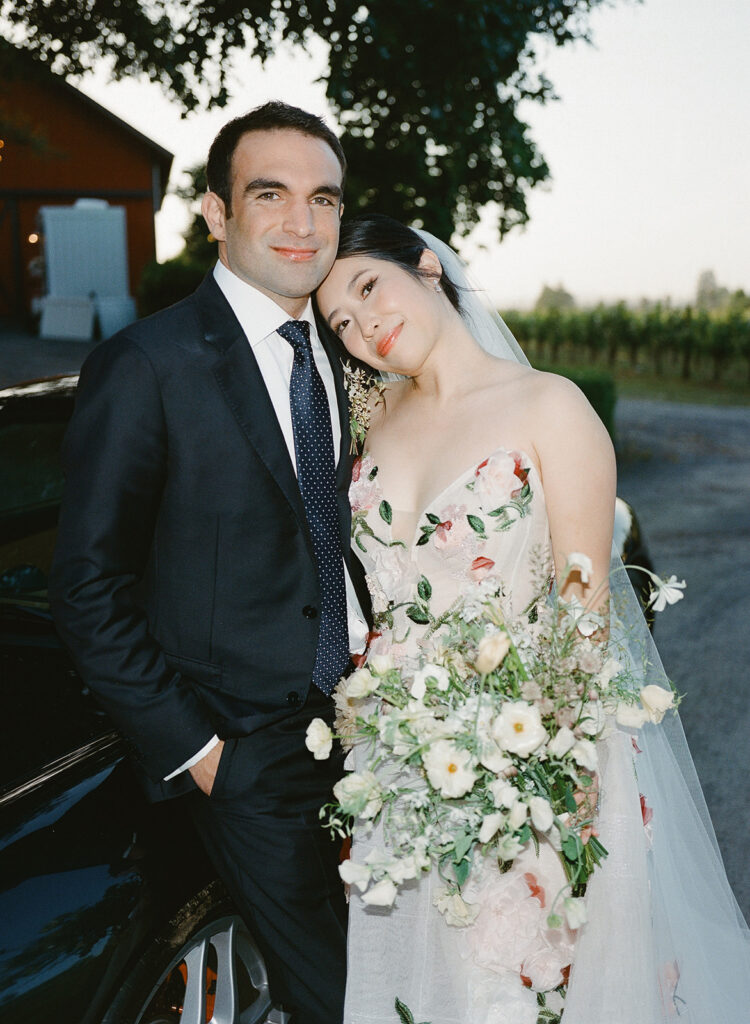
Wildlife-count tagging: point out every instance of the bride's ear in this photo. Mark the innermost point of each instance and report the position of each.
(430, 264)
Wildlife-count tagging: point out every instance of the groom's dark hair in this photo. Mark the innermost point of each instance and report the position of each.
(383, 238)
(272, 116)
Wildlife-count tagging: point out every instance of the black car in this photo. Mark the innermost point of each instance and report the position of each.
(109, 909)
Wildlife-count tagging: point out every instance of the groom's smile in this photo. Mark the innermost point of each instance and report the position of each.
(281, 232)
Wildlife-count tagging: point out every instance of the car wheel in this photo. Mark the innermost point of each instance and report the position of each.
(204, 968)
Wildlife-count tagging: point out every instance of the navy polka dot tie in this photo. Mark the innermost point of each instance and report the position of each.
(316, 473)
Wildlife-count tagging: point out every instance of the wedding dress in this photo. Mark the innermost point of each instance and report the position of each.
(664, 940)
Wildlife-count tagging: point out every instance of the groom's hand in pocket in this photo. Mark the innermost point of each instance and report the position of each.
(204, 772)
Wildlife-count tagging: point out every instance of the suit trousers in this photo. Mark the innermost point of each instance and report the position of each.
(263, 833)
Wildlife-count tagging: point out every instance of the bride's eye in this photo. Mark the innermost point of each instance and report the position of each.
(368, 286)
(339, 328)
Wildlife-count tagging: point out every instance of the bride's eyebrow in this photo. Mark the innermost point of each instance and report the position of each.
(332, 315)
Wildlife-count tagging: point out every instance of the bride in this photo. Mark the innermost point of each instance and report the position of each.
(462, 415)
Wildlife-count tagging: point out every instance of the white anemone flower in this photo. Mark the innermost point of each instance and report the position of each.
(455, 909)
(518, 728)
(319, 739)
(666, 592)
(449, 768)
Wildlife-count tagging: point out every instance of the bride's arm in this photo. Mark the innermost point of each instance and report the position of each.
(577, 463)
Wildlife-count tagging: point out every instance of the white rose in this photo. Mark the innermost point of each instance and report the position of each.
(492, 652)
(541, 813)
(561, 742)
(319, 739)
(656, 701)
(382, 894)
(359, 794)
(449, 768)
(584, 753)
(355, 874)
(518, 728)
(360, 684)
(575, 911)
(490, 824)
(455, 909)
(631, 715)
(380, 663)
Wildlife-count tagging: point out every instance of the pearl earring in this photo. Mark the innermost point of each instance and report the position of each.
(437, 287)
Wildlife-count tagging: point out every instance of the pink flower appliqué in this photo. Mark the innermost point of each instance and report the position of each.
(363, 493)
(453, 528)
(480, 568)
(499, 478)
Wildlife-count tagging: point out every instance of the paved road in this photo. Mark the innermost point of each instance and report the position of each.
(686, 470)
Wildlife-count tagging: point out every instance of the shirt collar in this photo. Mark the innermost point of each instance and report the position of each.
(259, 315)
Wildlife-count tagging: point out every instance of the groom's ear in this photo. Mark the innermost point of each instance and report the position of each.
(214, 214)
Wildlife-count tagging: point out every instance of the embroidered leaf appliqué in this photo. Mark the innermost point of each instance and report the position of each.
(476, 524)
(418, 615)
(386, 512)
(424, 589)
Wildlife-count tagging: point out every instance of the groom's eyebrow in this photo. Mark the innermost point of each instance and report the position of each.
(332, 314)
(261, 184)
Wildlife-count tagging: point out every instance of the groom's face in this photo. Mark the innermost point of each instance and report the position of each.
(283, 228)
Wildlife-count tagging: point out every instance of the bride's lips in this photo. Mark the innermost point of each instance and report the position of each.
(385, 344)
(295, 255)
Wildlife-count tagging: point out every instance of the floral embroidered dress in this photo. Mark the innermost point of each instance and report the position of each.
(488, 528)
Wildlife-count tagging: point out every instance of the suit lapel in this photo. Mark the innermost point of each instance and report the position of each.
(242, 385)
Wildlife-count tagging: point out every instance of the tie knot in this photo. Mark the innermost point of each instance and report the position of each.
(297, 333)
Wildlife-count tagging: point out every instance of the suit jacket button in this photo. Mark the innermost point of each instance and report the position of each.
(310, 611)
(292, 698)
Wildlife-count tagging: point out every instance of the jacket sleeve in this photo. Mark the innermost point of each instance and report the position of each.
(115, 457)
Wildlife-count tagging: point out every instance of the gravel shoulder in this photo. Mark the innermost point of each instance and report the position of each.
(686, 471)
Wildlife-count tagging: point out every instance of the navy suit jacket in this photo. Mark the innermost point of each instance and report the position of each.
(184, 581)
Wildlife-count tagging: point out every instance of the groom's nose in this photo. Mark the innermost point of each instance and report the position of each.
(298, 219)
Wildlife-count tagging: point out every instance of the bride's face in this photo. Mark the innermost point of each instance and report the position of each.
(384, 315)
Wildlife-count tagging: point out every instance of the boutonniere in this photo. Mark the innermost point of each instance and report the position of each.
(360, 385)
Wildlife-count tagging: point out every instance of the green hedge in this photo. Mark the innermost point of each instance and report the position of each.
(598, 386)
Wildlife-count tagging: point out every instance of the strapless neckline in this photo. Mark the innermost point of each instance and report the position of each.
(460, 479)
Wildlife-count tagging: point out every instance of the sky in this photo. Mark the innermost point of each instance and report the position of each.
(648, 147)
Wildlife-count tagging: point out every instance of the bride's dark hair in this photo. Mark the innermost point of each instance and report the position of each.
(384, 238)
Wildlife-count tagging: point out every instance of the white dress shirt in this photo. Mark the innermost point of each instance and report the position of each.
(260, 318)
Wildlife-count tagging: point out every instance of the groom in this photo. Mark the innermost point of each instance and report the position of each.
(203, 578)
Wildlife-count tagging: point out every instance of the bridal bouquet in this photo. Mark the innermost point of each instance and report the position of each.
(484, 746)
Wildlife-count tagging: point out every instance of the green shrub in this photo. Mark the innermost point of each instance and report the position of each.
(598, 386)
